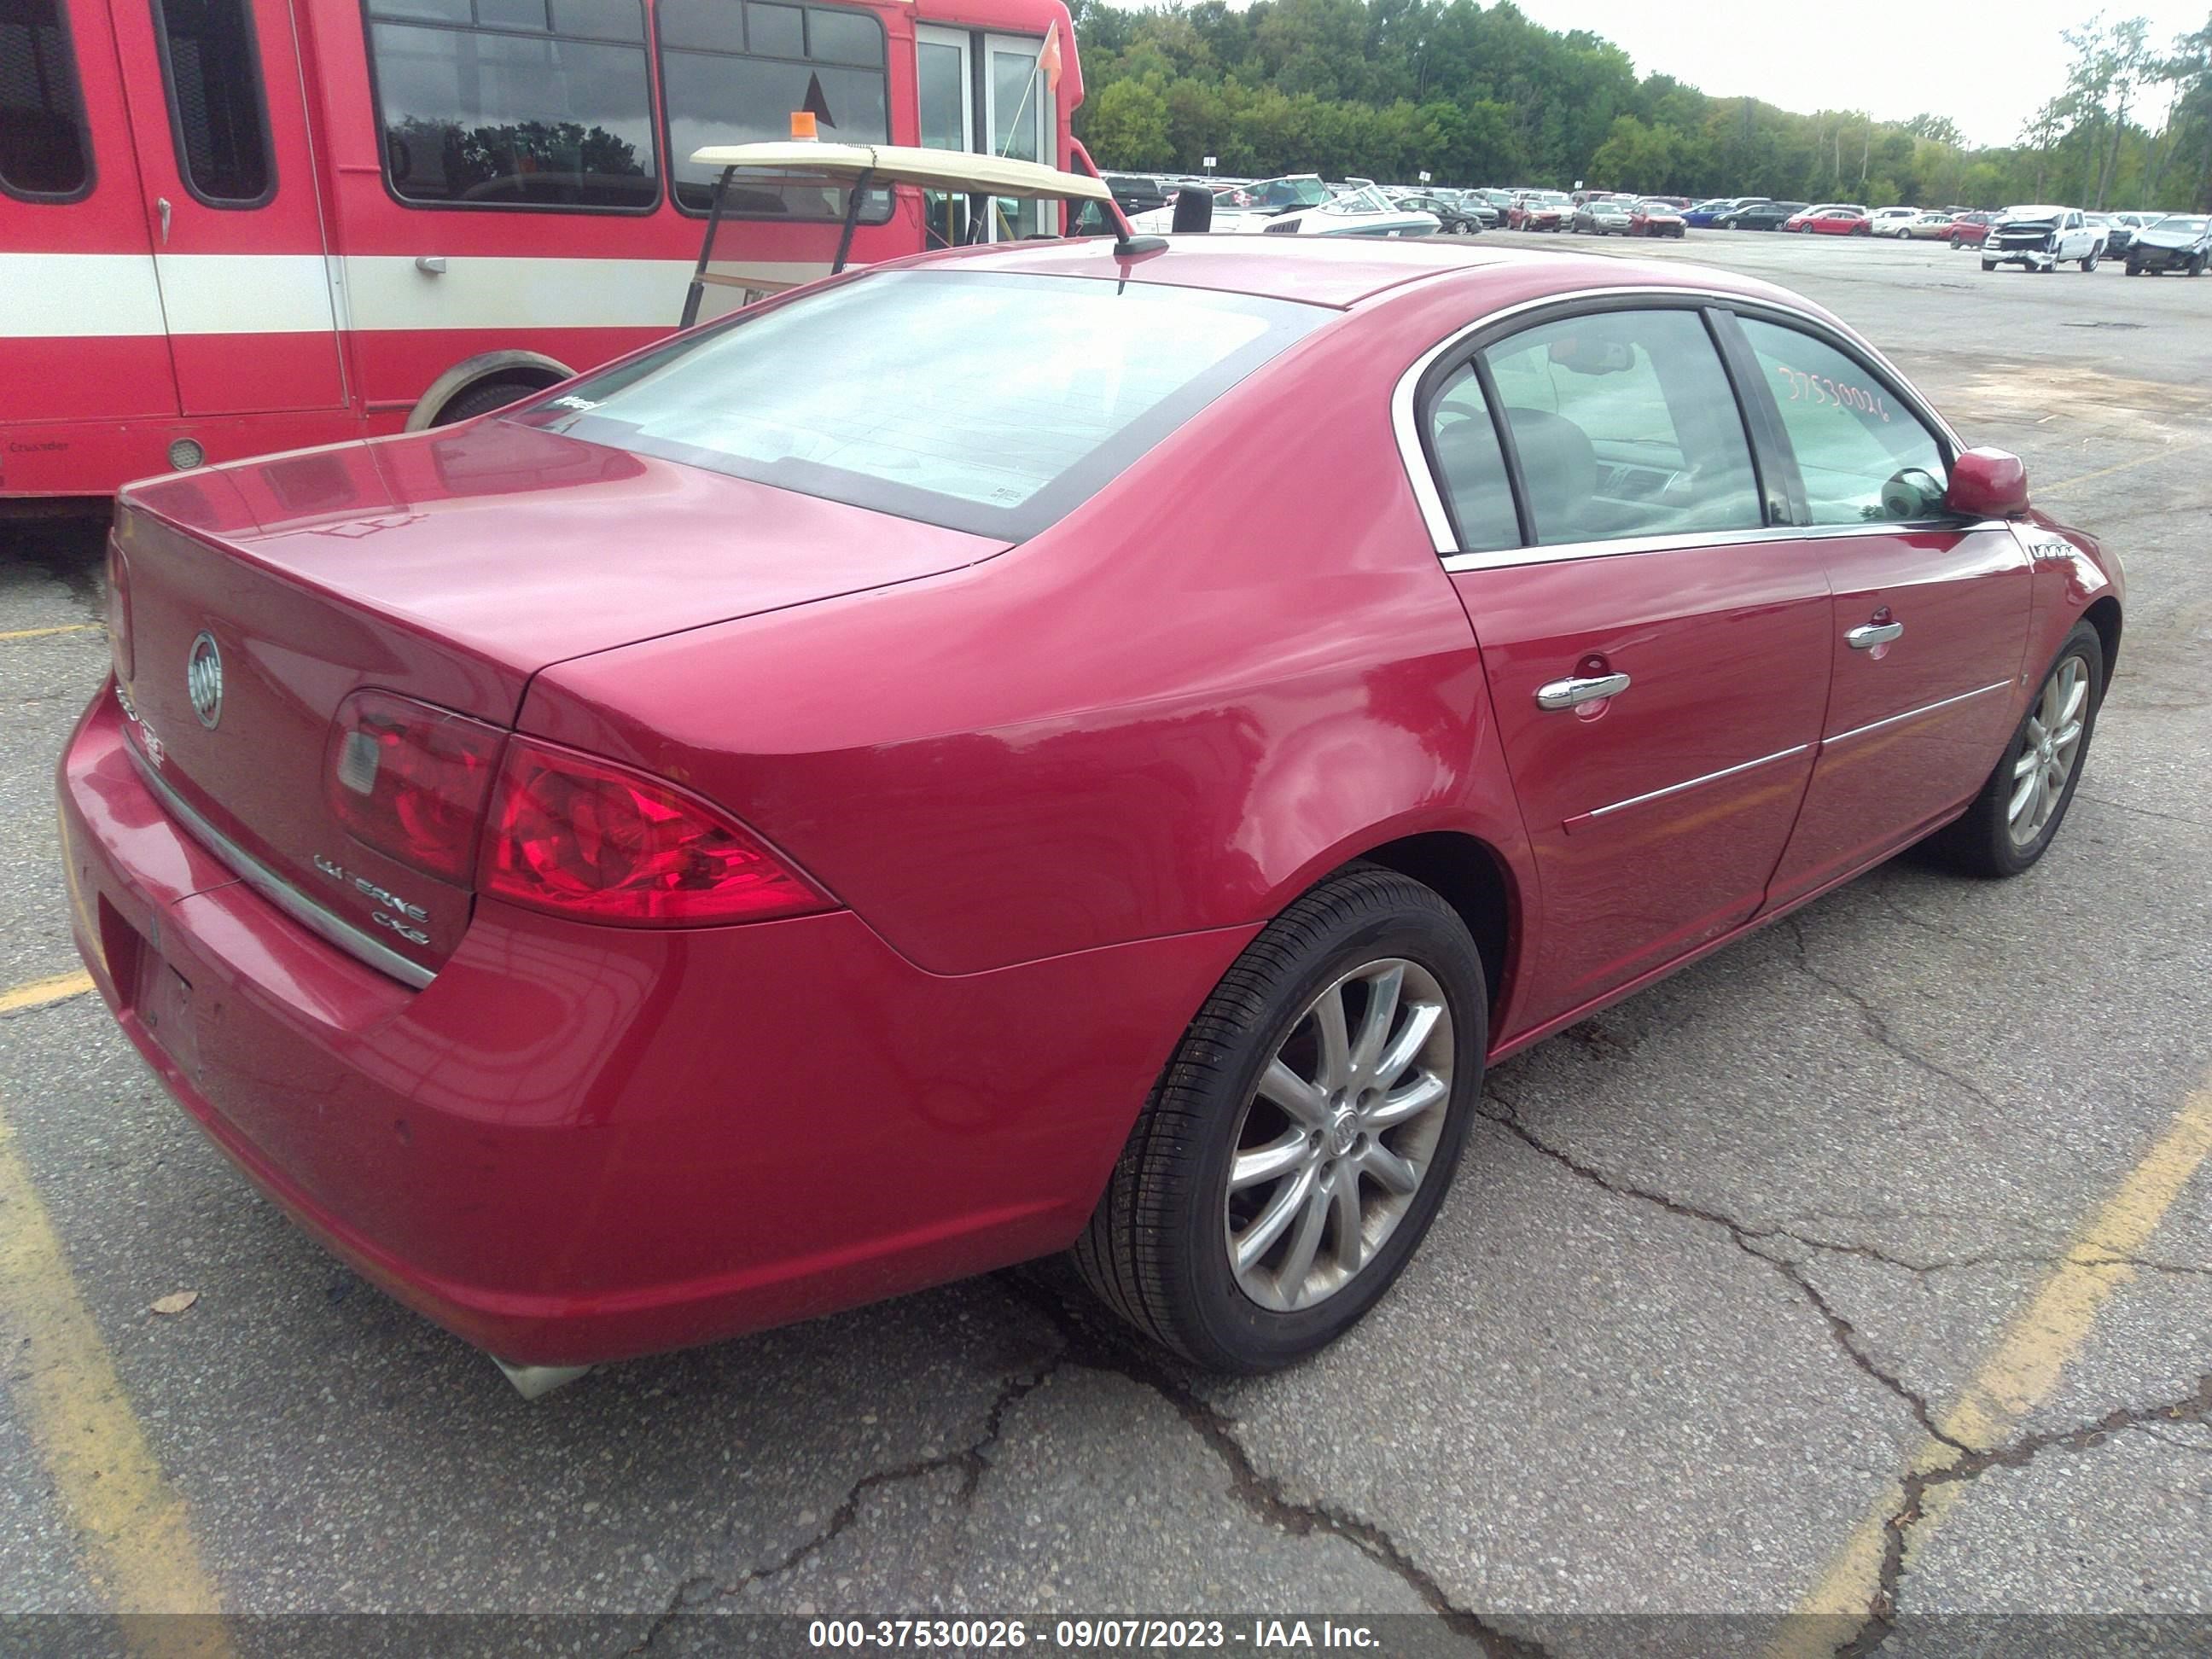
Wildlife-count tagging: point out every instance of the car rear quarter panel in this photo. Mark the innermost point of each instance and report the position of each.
(1236, 666)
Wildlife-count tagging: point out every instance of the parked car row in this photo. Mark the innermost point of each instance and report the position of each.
(2033, 237)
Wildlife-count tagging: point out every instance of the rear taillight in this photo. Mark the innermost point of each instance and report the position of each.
(411, 781)
(118, 609)
(586, 838)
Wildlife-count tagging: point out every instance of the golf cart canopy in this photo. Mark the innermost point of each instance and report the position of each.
(961, 173)
(857, 168)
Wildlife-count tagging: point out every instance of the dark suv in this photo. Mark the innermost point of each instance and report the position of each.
(1134, 195)
(1759, 216)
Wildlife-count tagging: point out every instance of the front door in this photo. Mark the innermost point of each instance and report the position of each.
(227, 173)
(986, 94)
(1658, 669)
(1930, 615)
(1018, 108)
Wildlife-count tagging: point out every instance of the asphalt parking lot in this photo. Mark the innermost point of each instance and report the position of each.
(1863, 1270)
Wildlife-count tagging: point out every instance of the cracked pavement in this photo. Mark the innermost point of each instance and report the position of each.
(1720, 1264)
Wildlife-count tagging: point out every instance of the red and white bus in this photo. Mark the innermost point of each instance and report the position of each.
(228, 226)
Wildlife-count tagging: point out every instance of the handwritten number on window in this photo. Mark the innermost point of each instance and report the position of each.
(1818, 389)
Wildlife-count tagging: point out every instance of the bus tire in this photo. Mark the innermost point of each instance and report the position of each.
(484, 397)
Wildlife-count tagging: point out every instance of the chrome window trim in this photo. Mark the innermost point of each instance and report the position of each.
(1406, 425)
(1559, 551)
(332, 929)
(1914, 713)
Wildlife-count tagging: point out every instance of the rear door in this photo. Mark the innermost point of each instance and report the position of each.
(230, 202)
(1930, 614)
(1657, 662)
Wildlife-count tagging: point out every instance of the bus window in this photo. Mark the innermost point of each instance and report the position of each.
(514, 103)
(43, 152)
(732, 75)
(217, 115)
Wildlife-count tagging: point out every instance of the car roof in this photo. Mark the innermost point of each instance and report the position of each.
(1341, 272)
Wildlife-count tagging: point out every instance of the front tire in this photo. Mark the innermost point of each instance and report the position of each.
(2016, 816)
(1303, 1133)
(1989, 264)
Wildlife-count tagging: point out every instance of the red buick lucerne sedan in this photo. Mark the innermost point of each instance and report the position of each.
(922, 773)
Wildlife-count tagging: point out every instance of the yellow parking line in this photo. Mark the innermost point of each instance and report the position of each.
(37, 993)
(2024, 1368)
(2166, 454)
(137, 1537)
(41, 633)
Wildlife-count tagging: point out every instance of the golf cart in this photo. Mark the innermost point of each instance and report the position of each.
(841, 179)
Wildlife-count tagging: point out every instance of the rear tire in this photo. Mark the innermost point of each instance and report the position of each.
(483, 399)
(1160, 1250)
(2006, 830)
(2089, 264)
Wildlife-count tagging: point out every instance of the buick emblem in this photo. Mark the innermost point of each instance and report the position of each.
(203, 680)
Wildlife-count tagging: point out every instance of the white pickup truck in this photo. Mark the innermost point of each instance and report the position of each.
(2043, 238)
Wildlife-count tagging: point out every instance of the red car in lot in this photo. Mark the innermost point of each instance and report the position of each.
(1540, 211)
(1655, 218)
(1832, 219)
(868, 791)
(1971, 229)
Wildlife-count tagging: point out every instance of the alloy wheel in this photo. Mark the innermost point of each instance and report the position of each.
(2051, 746)
(1339, 1134)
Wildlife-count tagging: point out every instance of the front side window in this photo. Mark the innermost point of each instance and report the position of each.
(514, 103)
(1623, 424)
(43, 150)
(734, 74)
(215, 108)
(953, 398)
(1864, 457)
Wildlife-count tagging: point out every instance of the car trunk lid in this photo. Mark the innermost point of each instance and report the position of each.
(448, 568)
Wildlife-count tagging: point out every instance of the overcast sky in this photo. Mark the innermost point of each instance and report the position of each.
(1986, 63)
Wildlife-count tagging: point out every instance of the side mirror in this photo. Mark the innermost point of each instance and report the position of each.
(1987, 484)
(1193, 211)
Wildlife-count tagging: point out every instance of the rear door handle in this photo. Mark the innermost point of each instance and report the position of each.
(1570, 693)
(1867, 635)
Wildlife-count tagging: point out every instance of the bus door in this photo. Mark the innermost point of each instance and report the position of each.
(986, 92)
(81, 332)
(226, 166)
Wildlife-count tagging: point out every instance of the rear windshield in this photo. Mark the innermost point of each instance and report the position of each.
(991, 403)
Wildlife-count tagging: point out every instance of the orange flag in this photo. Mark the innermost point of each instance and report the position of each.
(1048, 60)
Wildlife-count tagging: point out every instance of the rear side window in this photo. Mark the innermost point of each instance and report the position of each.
(514, 103)
(735, 74)
(216, 110)
(44, 153)
(1863, 456)
(1470, 467)
(1623, 424)
(985, 403)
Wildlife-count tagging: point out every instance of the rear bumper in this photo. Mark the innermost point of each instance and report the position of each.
(579, 1143)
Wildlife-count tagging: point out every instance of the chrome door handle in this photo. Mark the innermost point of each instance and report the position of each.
(1869, 634)
(161, 205)
(1568, 694)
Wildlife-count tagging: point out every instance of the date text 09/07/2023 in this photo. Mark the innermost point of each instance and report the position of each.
(1256, 1634)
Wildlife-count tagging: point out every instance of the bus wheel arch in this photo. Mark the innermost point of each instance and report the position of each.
(526, 371)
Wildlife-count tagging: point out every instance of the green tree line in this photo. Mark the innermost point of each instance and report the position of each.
(1481, 95)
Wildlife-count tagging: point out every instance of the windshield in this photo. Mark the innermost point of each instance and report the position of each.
(1366, 199)
(985, 402)
(1288, 194)
(2182, 223)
